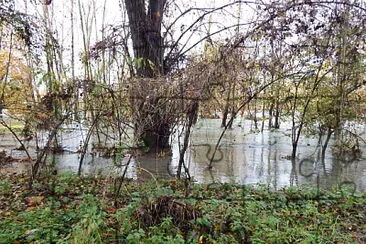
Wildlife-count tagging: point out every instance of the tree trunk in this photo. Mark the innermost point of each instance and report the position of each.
(226, 109)
(146, 35)
(270, 112)
(325, 146)
(277, 114)
(148, 50)
(1, 107)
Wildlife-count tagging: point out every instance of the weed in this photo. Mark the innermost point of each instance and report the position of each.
(78, 210)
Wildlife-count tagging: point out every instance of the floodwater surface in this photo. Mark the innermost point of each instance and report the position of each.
(245, 156)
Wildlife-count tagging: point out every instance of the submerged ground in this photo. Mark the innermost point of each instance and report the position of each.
(304, 201)
(246, 156)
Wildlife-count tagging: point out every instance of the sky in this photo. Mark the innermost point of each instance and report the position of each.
(96, 15)
(93, 12)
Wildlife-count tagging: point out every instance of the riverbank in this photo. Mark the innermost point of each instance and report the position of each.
(67, 209)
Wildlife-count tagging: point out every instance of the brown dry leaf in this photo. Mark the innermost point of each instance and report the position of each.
(34, 201)
(111, 210)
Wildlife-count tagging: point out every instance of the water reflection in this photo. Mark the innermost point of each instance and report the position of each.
(244, 157)
(250, 158)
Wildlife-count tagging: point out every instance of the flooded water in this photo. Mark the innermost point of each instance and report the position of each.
(251, 158)
(244, 157)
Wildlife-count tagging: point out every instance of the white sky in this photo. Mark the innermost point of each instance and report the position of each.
(92, 12)
(113, 15)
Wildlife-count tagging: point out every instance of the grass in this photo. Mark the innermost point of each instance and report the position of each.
(68, 209)
(14, 124)
(16, 128)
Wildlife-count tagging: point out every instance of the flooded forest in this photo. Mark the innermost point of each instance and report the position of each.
(270, 93)
(133, 121)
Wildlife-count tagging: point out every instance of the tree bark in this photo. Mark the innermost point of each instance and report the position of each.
(147, 42)
(145, 26)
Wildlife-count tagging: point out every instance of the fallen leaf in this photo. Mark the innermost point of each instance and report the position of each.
(33, 201)
(111, 210)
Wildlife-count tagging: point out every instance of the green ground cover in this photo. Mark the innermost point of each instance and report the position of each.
(68, 209)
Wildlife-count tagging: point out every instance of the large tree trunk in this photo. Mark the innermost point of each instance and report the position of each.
(145, 29)
(148, 49)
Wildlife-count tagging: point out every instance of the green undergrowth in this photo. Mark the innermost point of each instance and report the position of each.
(70, 209)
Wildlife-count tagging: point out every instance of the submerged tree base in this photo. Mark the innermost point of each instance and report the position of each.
(67, 208)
